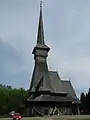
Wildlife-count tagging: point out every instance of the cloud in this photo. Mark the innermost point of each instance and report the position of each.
(11, 66)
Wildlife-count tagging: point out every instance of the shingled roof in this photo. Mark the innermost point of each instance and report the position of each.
(59, 86)
(56, 82)
(41, 71)
(69, 88)
(43, 97)
(63, 86)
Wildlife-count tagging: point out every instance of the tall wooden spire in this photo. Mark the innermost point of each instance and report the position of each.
(40, 52)
(40, 37)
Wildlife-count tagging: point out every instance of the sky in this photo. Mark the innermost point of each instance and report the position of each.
(66, 27)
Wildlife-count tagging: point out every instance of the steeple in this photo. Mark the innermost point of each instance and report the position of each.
(40, 37)
(41, 49)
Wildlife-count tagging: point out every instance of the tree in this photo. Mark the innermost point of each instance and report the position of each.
(83, 99)
(11, 99)
(87, 102)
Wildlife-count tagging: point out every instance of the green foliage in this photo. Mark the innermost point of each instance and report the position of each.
(11, 99)
(85, 102)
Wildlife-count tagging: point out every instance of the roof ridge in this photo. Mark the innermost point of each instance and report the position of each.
(66, 81)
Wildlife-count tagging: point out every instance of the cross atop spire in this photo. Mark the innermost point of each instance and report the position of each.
(40, 4)
(40, 37)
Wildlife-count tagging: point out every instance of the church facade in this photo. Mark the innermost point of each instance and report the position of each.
(48, 94)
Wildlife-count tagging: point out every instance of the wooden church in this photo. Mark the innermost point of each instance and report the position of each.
(48, 94)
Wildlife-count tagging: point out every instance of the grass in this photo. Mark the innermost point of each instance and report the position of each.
(80, 117)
